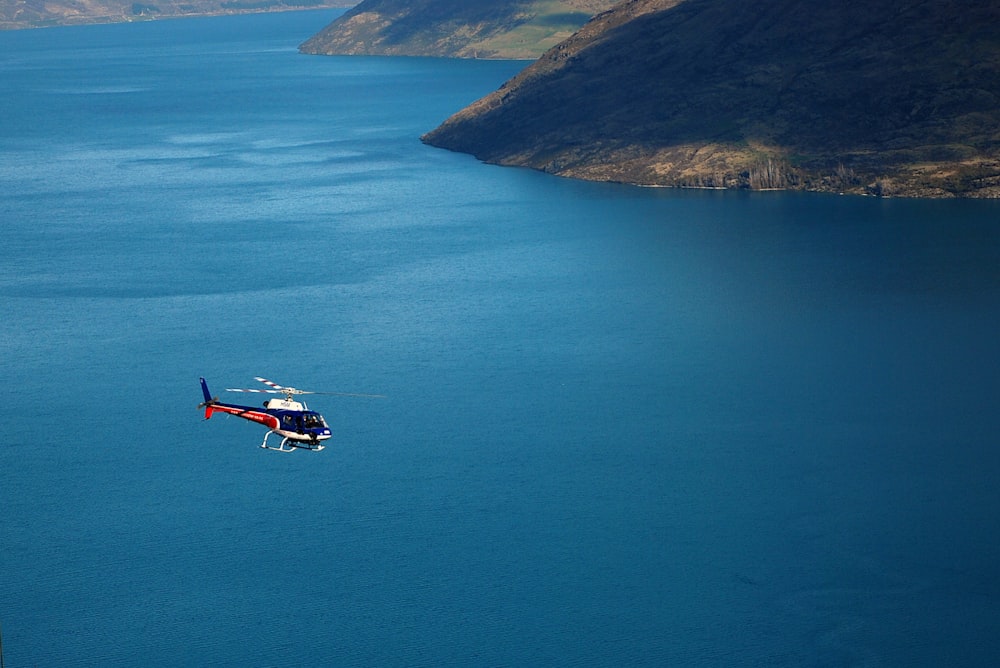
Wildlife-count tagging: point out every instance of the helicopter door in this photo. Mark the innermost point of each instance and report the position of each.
(292, 422)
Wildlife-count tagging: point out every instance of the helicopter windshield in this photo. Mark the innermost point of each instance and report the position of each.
(313, 421)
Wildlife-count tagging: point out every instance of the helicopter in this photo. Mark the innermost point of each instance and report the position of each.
(299, 427)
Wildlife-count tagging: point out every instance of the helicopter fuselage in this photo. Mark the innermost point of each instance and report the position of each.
(291, 420)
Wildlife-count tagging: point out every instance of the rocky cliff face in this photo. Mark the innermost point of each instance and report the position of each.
(454, 28)
(891, 97)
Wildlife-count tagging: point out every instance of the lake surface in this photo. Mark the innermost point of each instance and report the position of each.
(623, 426)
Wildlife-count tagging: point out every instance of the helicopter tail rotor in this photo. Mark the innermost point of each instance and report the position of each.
(209, 400)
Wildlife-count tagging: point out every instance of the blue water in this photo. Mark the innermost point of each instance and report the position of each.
(623, 426)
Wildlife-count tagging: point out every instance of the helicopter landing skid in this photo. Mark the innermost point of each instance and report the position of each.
(315, 447)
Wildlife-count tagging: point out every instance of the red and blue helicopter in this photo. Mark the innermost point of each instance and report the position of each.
(299, 427)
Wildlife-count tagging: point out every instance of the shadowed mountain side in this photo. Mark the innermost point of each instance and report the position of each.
(454, 28)
(881, 96)
(15, 14)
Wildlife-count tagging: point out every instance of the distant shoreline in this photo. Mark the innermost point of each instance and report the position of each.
(116, 18)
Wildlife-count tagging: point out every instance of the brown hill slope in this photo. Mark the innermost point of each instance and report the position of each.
(454, 28)
(883, 96)
(16, 14)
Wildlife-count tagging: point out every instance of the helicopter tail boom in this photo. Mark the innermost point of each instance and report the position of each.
(245, 412)
(213, 405)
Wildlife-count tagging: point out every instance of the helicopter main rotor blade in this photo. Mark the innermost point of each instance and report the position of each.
(281, 388)
(234, 389)
(288, 391)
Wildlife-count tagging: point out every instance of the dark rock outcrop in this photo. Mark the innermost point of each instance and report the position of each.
(890, 97)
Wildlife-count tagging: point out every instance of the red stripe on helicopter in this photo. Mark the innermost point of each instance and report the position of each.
(265, 419)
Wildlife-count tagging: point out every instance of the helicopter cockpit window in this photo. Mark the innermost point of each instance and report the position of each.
(313, 420)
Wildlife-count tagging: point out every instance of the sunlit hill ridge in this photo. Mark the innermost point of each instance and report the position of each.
(454, 28)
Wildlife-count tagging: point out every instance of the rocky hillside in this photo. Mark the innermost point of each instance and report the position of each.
(15, 14)
(454, 28)
(889, 97)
